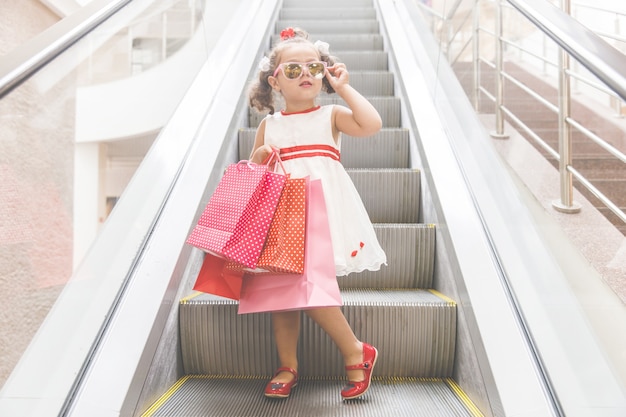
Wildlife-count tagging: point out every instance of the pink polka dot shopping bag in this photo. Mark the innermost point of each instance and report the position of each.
(236, 220)
(316, 286)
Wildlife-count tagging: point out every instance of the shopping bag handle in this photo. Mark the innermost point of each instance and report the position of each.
(275, 154)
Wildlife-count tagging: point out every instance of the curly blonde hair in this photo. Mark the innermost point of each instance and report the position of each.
(261, 94)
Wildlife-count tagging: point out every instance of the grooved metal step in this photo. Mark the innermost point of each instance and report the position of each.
(344, 41)
(205, 395)
(293, 13)
(365, 60)
(414, 331)
(389, 195)
(410, 250)
(328, 4)
(330, 26)
(388, 148)
(388, 107)
(372, 83)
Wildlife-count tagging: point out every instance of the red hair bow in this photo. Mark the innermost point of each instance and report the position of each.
(287, 33)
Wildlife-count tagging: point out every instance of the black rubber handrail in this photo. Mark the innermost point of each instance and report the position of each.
(20, 64)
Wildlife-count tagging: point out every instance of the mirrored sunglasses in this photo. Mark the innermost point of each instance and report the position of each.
(294, 70)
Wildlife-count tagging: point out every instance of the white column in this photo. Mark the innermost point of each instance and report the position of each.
(86, 197)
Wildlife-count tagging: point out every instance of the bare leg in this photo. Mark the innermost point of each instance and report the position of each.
(286, 332)
(333, 322)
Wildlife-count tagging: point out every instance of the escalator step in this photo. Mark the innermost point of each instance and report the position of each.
(344, 41)
(330, 26)
(414, 331)
(410, 250)
(208, 396)
(389, 195)
(387, 107)
(325, 4)
(364, 60)
(388, 148)
(343, 13)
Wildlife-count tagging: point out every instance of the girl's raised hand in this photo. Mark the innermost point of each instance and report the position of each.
(338, 76)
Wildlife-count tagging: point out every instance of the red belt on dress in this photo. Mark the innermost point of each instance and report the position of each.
(309, 150)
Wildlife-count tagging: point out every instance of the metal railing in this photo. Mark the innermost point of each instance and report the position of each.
(574, 46)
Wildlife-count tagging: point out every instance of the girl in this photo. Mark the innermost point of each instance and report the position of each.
(299, 70)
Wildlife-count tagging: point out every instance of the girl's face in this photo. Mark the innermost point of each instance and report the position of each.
(299, 93)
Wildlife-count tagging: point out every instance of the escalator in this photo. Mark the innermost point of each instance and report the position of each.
(228, 358)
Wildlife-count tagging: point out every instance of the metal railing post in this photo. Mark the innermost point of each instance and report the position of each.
(566, 204)
(499, 47)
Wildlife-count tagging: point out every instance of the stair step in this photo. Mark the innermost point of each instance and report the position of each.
(410, 250)
(342, 13)
(388, 148)
(365, 60)
(344, 42)
(387, 107)
(330, 26)
(326, 4)
(389, 195)
(615, 189)
(414, 331)
(206, 396)
(597, 167)
(372, 83)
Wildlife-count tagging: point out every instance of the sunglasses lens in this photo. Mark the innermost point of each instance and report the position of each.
(292, 71)
(316, 69)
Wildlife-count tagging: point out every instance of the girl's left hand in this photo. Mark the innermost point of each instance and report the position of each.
(338, 76)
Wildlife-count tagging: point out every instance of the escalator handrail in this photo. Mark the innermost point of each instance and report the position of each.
(20, 64)
(601, 59)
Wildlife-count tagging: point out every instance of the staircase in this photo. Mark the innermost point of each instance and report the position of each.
(606, 172)
(228, 358)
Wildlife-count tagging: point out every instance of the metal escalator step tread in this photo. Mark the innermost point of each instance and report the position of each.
(328, 3)
(331, 26)
(344, 41)
(389, 195)
(410, 250)
(351, 297)
(395, 297)
(388, 148)
(341, 13)
(365, 60)
(213, 396)
(414, 330)
(388, 107)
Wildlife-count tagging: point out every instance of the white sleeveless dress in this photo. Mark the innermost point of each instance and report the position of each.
(354, 241)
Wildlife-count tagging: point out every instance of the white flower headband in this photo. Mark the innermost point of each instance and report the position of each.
(264, 64)
(322, 47)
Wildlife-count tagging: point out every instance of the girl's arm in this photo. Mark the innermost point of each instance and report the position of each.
(260, 151)
(361, 118)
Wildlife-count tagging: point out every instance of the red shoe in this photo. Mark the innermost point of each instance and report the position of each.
(281, 389)
(355, 389)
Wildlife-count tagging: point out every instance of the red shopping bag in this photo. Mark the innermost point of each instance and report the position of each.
(236, 220)
(316, 287)
(215, 278)
(284, 248)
